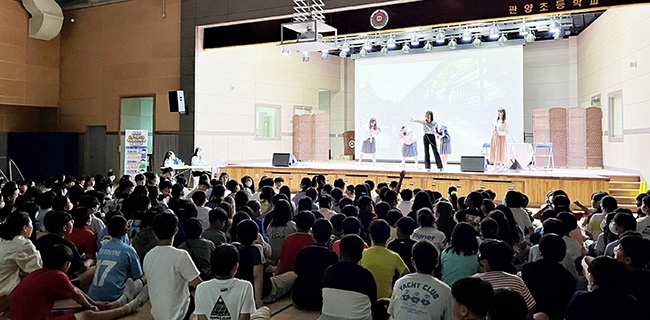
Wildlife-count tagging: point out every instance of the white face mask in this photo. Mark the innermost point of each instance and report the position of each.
(198, 154)
(248, 184)
(612, 227)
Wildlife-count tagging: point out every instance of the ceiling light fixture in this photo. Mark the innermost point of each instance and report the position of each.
(305, 56)
(477, 42)
(530, 37)
(452, 44)
(285, 51)
(391, 42)
(440, 37)
(415, 40)
(384, 50)
(523, 30)
(406, 48)
(503, 40)
(367, 45)
(346, 46)
(363, 53)
(467, 36)
(324, 55)
(494, 32)
(428, 47)
(344, 54)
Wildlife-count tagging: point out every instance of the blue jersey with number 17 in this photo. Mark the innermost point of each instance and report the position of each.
(116, 262)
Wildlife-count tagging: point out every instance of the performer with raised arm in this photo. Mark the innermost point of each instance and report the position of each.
(410, 146)
(429, 126)
(499, 144)
(369, 141)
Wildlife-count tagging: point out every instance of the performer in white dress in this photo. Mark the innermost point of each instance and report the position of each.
(369, 141)
(499, 144)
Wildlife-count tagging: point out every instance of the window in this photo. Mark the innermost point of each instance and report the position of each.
(267, 122)
(615, 116)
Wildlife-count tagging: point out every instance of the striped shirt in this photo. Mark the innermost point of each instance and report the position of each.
(499, 279)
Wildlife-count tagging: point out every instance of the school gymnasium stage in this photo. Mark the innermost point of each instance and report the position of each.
(578, 183)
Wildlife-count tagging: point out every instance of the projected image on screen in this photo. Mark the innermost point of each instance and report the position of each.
(464, 89)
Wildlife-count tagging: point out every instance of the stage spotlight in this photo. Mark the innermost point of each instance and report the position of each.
(363, 52)
(467, 36)
(415, 41)
(285, 51)
(523, 30)
(367, 45)
(558, 35)
(324, 55)
(344, 54)
(440, 37)
(452, 44)
(530, 37)
(428, 47)
(477, 42)
(384, 50)
(391, 42)
(406, 48)
(346, 46)
(305, 56)
(494, 32)
(503, 40)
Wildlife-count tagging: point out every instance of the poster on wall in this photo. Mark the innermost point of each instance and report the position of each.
(135, 151)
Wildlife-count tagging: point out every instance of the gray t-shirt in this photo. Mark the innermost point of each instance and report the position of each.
(216, 236)
(276, 238)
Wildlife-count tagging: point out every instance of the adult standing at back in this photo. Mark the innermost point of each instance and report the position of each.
(429, 127)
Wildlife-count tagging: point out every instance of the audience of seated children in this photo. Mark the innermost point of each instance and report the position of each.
(199, 248)
(507, 305)
(170, 273)
(349, 290)
(103, 236)
(392, 216)
(218, 222)
(146, 239)
(252, 263)
(384, 264)
(34, 297)
(311, 263)
(84, 239)
(337, 229)
(203, 212)
(405, 205)
(280, 227)
(643, 222)
(17, 254)
(350, 225)
(58, 224)
(550, 283)
(296, 241)
(325, 205)
(427, 231)
(420, 295)
(607, 298)
(226, 297)
(459, 260)
(623, 222)
(118, 266)
(570, 261)
(403, 244)
(633, 251)
(93, 204)
(444, 214)
(496, 259)
(472, 298)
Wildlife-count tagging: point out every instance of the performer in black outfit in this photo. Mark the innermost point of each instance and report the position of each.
(430, 140)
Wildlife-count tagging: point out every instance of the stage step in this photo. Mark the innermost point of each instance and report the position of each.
(619, 193)
(624, 185)
(626, 178)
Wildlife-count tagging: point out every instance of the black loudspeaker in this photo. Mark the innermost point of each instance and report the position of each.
(472, 164)
(284, 160)
(177, 101)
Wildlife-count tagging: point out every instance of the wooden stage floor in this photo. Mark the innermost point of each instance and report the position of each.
(578, 183)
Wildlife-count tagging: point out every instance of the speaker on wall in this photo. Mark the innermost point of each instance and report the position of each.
(284, 160)
(177, 101)
(473, 164)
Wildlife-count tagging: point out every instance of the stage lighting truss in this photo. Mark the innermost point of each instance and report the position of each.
(309, 25)
(453, 37)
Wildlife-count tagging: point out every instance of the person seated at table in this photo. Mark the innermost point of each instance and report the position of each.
(171, 159)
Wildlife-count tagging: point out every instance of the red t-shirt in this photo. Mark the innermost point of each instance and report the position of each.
(336, 247)
(85, 240)
(290, 248)
(34, 297)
